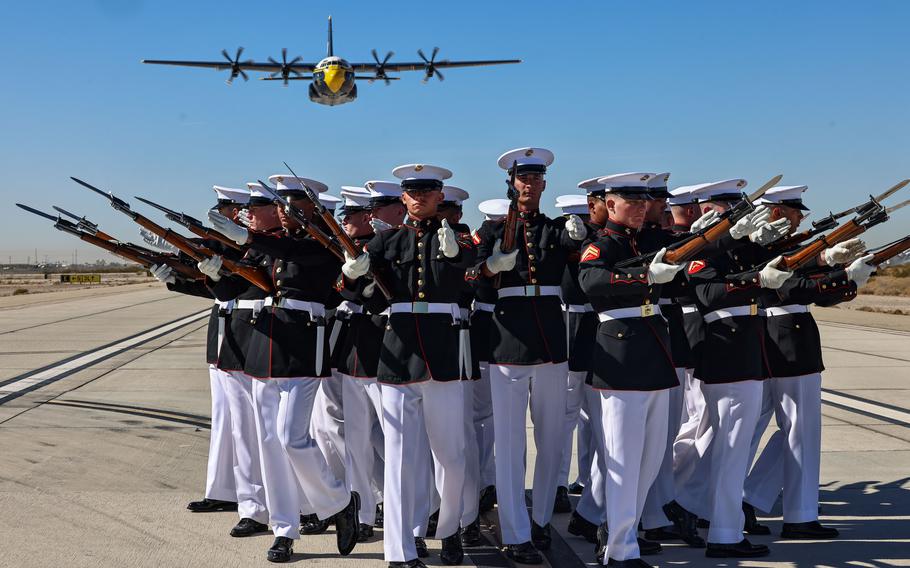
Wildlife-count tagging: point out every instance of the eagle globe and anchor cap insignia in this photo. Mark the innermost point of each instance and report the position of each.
(529, 151)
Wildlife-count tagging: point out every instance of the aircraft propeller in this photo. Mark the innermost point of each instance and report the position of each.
(431, 65)
(235, 65)
(286, 67)
(380, 66)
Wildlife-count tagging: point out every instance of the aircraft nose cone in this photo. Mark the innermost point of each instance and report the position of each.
(334, 78)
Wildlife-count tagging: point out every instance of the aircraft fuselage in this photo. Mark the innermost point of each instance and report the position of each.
(333, 82)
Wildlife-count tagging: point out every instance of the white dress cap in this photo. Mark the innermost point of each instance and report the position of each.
(790, 195)
(328, 201)
(725, 190)
(355, 198)
(285, 182)
(383, 190)
(409, 172)
(629, 184)
(682, 195)
(455, 195)
(592, 185)
(494, 209)
(657, 185)
(232, 195)
(535, 158)
(572, 204)
(257, 194)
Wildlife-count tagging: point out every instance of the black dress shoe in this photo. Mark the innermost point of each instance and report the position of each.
(347, 529)
(379, 516)
(431, 524)
(365, 532)
(470, 535)
(576, 489)
(580, 526)
(629, 563)
(686, 524)
(540, 536)
(649, 547)
(421, 545)
(416, 563)
(281, 550)
(812, 530)
(741, 549)
(248, 527)
(600, 548)
(562, 504)
(523, 553)
(310, 524)
(211, 506)
(487, 498)
(752, 526)
(452, 553)
(662, 533)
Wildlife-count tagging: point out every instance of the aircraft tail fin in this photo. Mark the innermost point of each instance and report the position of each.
(330, 49)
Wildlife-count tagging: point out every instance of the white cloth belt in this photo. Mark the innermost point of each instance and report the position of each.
(464, 337)
(750, 310)
(317, 314)
(254, 305)
(482, 306)
(530, 290)
(578, 308)
(345, 307)
(689, 309)
(788, 309)
(633, 312)
(664, 301)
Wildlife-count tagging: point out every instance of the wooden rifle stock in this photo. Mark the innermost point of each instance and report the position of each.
(511, 221)
(125, 251)
(845, 232)
(890, 251)
(692, 247)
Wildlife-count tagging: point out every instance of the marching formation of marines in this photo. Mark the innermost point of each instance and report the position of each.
(379, 372)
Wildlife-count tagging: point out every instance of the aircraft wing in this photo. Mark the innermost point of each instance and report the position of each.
(226, 65)
(421, 66)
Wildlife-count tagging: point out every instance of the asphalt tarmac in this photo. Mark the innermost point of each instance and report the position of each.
(104, 416)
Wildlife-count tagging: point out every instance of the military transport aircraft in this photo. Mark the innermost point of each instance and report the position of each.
(332, 78)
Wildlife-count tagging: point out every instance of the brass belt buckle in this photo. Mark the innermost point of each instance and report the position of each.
(532, 290)
(647, 310)
(420, 307)
(753, 309)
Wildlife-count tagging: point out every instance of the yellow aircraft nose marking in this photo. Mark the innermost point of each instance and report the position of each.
(334, 78)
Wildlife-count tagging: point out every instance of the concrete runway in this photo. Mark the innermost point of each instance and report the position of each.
(104, 410)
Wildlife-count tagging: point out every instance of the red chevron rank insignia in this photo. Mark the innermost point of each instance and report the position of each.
(476, 238)
(591, 253)
(696, 265)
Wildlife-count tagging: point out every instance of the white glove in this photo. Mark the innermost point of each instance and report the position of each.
(501, 261)
(447, 244)
(244, 217)
(767, 234)
(163, 272)
(751, 222)
(844, 252)
(379, 225)
(156, 241)
(354, 268)
(859, 271)
(772, 277)
(660, 272)
(228, 228)
(210, 267)
(705, 220)
(576, 228)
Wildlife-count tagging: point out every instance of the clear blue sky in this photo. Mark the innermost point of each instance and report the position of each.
(817, 91)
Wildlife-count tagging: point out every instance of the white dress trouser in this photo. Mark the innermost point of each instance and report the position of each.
(471, 491)
(238, 390)
(575, 396)
(436, 409)
(635, 435)
(483, 426)
(291, 460)
(362, 410)
(690, 465)
(219, 478)
(734, 409)
(591, 504)
(791, 459)
(663, 489)
(512, 386)
(327, 424)
(584, 444)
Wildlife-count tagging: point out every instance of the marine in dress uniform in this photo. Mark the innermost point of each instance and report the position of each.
(731, 366)
(287, 355)
(355, 358)
(580, 324)
(481, 319)
(632, 366)
(791, 459)
(423, 261)
(528, 358)
(386, 209)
